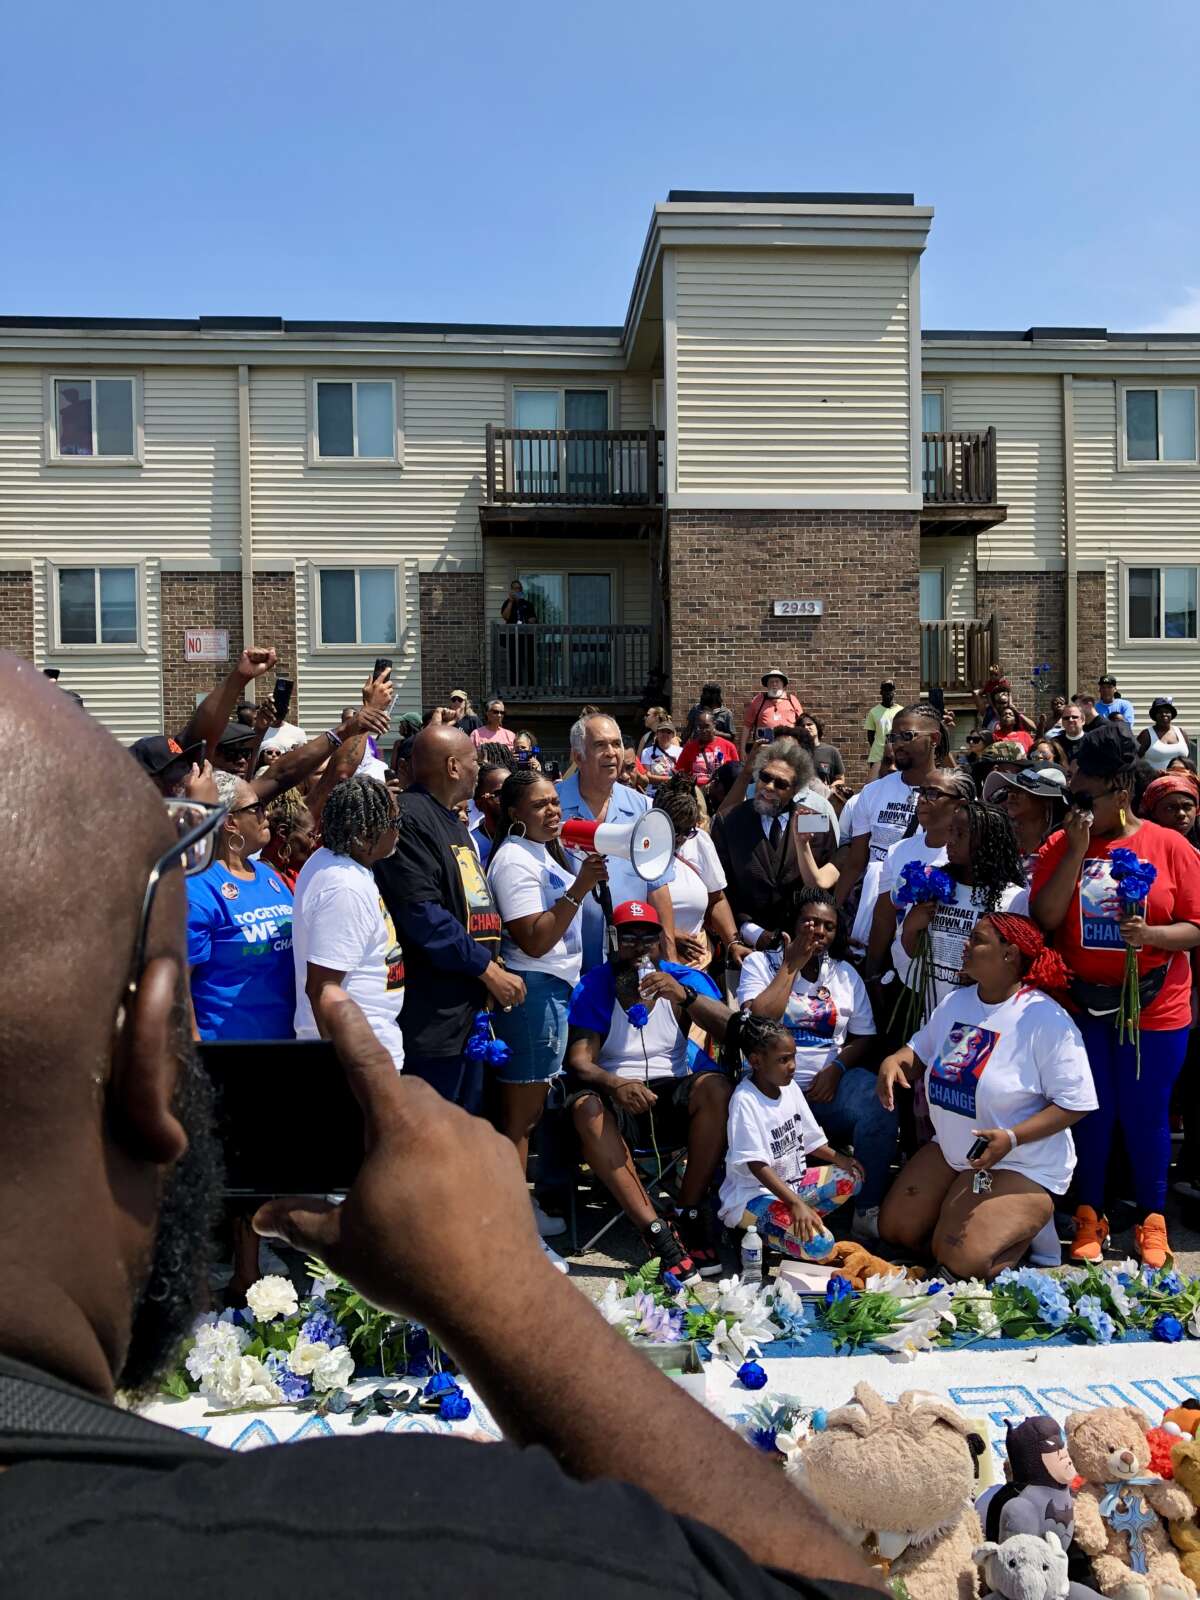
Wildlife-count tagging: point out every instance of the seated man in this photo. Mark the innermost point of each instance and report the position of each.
(635, 1086)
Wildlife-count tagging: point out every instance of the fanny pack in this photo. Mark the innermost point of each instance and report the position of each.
(1102, 999)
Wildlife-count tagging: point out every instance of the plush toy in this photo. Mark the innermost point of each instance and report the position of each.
(1119, 1510)
(1185, 1416)
(897, 1480)
(851, 1261)
(1185, 1535)
(1037, 1499)
(1028, 1566)
(1162, 1441)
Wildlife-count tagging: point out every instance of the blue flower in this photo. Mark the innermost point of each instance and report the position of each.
(320, 1327)
(496, 1052)
(1171, 1283)
(291, 1386)
(935, 1287)
(1167, 1328)
(751, 1375)
(1122, 860)
(838, 1288)
(819, 1420)
(455, 1407)
(638, 1015)
(442, 1383)
(762, 1439)
(476, 1047)
(1098, 1322)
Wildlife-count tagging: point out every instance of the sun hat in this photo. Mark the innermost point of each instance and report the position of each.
(773, 672)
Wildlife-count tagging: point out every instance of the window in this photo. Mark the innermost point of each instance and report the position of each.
(96, 605)
(933, 451)
(357, 605)
(1161, 602)
(1160, 425)
(355, 420)
(93, 419)
(933, 594)
(581, 469)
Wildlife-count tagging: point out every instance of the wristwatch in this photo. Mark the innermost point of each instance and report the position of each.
(689, 996)
(571, 900)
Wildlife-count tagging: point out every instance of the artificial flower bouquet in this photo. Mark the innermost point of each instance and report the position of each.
(1134, 879)
(741, 1317)
(919, 885)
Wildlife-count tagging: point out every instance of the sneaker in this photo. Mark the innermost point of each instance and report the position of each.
(1187, 1188)
(661, 1240)
(1045, 1250)
(555, 1260)
(1151, 1240)
(696, 1231)
(1091, 1235)
(866, 1225)
(548, 1227)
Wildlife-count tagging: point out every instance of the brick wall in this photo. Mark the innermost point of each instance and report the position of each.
(16, 613)
(275, 626)
(1030, 610)
(1093, 631)
(728, 566)
(453, 643)
(196, 600)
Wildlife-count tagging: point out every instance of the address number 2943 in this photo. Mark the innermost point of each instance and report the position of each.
(797, 608)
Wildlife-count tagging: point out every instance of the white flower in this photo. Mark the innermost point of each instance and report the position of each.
(617, 1310)
(896, 1283)
(237, 1380)
(1193, 1324)
(304, 1357)
(729, 1341)
(215, 1342)
(322, 1287)
(334, 1369)
(271, 1297)
(909, 1339)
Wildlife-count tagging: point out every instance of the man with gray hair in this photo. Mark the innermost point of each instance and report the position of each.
(592, 794)
(771, 847)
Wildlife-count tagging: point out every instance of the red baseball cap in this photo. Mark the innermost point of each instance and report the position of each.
(636, 911)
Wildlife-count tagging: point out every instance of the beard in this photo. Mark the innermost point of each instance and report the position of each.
(175, 1289)
(770, 802)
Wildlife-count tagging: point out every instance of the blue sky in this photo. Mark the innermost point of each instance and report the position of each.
(478, 162)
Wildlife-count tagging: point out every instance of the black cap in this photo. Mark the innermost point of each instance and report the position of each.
(156, 753)
(235, 733)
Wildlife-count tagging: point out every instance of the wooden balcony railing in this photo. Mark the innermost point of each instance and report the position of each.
(959, 469)
(573, 466)
(956, 655)
(571, 662)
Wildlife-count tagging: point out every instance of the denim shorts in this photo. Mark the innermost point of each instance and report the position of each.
(536, 1031)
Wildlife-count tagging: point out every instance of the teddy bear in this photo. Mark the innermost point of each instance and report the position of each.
(1185, 1534)
(1027, 1566)
(852, 1261)
(1185, 1416)
(896, 1479)
(1119, 1509)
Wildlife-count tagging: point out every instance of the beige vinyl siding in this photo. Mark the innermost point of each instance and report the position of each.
(1027, 416)
(792, 371)
(634, 400)
(957, 558)
(121, 689)
(1142, 517)
(329, 678)
(181, 504)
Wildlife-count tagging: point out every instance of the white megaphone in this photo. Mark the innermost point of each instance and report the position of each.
(647, 844)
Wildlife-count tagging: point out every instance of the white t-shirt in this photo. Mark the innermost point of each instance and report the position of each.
(994, 1066)
(781, 1133)
(340, 922)
(660, 759)
(846, 817)
(526, 880)
(898, 857)
(883, 812)
(659, 1050)
(820, 1012)
(950, 929)
(698, 874)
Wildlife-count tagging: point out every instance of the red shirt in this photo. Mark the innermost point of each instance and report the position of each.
(1089, 939)
(1014, 736)
(701, 761)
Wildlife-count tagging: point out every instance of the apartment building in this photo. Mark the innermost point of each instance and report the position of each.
(769, 462)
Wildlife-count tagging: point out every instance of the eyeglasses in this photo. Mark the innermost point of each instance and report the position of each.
(776, 783)
(928, 792)
(195, 825)
(1082, 800)
(259, 809)
(636, 938)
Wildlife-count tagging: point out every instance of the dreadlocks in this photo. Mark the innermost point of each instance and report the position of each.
(358, 812)
(995, 858)
(930, 713)
(512, 791)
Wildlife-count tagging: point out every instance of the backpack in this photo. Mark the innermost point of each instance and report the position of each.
(760, 699)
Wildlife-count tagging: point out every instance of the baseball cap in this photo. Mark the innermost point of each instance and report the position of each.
(235, 733)
(1107, 679)
(458, 694)
(633, 912)
(155, 753)
(1047, 783)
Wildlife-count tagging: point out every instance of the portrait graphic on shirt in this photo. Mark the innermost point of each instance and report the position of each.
(890, 823)
(395, 955)
(813, 1018)
(1099, 907)
(483, 920)
(954, 1076)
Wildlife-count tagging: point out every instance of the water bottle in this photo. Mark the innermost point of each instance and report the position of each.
(752, 1255)
(644, 968)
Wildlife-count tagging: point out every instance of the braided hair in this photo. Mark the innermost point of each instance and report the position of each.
(512, 791)
(358, 812)
(756, 1033)
(679, 798)
(930, 713)
(995, 855)
(839, 944)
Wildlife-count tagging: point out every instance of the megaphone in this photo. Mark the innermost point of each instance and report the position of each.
(647, 844)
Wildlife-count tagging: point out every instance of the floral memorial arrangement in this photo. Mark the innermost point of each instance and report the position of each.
(919, 885)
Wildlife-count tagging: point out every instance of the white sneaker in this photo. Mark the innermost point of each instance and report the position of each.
(866, 1224)
(555, 1260)
(1046, 1250)
(548, 1227)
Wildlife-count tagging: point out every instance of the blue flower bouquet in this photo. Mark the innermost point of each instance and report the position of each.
(919, 884)
(1134, 879)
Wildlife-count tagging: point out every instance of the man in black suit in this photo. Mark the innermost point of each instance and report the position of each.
(771, 847)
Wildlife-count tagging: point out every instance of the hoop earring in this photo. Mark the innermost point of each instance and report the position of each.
(512, 830)
(241, 841)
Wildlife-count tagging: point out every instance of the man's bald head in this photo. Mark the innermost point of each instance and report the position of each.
(445, 763)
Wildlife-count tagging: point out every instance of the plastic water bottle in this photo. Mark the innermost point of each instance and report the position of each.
(752, 1255)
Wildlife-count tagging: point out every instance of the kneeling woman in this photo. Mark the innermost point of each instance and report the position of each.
(1003, 1063)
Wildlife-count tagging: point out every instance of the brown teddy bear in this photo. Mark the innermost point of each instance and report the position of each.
(1185, 1535)
(852, 1261)
(1119, 1509)
(897, 1480)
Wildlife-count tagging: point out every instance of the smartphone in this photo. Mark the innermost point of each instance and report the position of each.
(810, 821)
(765, 735)
(937, 699)
(977, 1149)
(51, 672)
(382, 663)
(523, 758)
(283, 696)
(273, 1143)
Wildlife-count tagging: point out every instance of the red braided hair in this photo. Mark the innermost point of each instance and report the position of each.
(1046, 970)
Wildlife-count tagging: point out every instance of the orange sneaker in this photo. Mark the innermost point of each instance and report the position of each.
(1091, 1235)
(1151, 1240)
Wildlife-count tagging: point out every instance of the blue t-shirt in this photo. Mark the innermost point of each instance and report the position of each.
(626, 805)
(240, 949)
(1120, 707)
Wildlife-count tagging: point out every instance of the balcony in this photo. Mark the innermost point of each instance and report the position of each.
(572, 475)
(958, 482)
(569, 663)
(955, 656)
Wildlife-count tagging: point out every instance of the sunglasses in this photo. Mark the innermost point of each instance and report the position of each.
(1082, 800)
(904, 735)
(636, 938)
(776, 783)
(259, 809)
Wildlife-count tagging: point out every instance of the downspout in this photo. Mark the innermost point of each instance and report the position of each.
(245, 510)
(1071, 585)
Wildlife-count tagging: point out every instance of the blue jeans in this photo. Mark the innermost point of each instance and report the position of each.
(855, 1117)
(536, 1031)
(1142, 1105)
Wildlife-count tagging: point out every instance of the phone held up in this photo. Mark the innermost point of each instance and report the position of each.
(283, 696)
(382, 663)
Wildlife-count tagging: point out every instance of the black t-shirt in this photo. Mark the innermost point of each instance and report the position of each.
(827, 759)
(435, 862)
(392, 1515)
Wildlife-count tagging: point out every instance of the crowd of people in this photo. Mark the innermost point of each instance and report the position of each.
(775, 1012)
